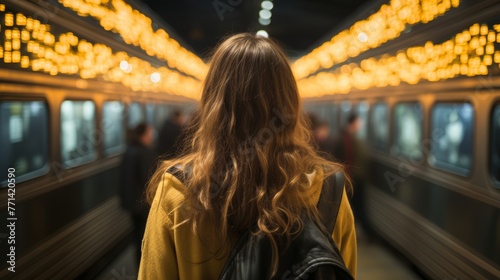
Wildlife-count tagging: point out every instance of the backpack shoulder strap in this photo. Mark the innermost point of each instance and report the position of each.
(330, 199)
(182, 174)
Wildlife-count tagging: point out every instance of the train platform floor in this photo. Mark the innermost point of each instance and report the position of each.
(375, 262)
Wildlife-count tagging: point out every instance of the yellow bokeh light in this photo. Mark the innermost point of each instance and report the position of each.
(8, 46)
(462, 55)
(386, 24)
(36, 48)
(136, 29)
(7, 57)
(9, 19)
(32, 45)
(25, 62)
(20, 20)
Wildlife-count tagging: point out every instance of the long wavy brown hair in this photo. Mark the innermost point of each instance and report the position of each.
(249, 147)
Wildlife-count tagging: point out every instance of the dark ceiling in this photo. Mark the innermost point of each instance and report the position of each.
(297, 24)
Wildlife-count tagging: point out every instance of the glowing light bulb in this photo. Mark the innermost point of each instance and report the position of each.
(362, 37)
(125, 66)
(262, 33)
(264, 21)
(265, 14)
(155, 77)
(267, 5)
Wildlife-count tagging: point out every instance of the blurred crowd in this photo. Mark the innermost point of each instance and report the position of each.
(349, 150)
(145, 148)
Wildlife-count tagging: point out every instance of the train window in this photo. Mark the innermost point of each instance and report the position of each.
(327, 113)
(21, 123)
(345, 111)
(451, 134)
(495, 145)
(408, 119)
(307, 107)
(113, 127)
(332, 119)
(135, 115)
(150, 113)
(161, 115)
(313, 108)
(78, 133)
(362, 112)
(323, 111)
(379, 126)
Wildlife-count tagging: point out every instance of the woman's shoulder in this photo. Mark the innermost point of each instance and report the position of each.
(313, 190)
(316, 180)
(170, 193)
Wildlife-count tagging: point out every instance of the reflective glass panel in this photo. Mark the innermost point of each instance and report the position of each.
(78, 132)
(307, 107)
(24, 140)
(345, 111)
(150, 113)
(379, 126)
(113, 127)
(332, 118)
(321, 111)
(135, 115)
(161, 115)
(451, 134)
(362, 112)
(314, 109)
(408, 121)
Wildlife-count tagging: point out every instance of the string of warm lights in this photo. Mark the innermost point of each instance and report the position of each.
(31, 44)
(136, 28)
(469, 53)
(384, 25)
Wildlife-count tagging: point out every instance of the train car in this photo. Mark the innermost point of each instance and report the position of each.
(431, 127)
(63, 122)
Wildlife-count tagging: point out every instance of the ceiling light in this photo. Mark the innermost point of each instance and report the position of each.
(262, 33)
(362, 37)
(124, 65)
(265, 14)
(267, 5)
(155, 77)
(264, 21)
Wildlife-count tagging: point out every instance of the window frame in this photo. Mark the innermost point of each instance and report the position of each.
(45, 170)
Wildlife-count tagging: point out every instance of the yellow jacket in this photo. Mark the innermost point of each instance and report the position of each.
(178, 253)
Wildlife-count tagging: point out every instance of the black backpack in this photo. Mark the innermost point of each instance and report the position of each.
(310, 255)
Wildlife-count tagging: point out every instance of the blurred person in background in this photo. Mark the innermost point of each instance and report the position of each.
(321, 134)
(168, 145)
(351, 151)
(136, 170)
